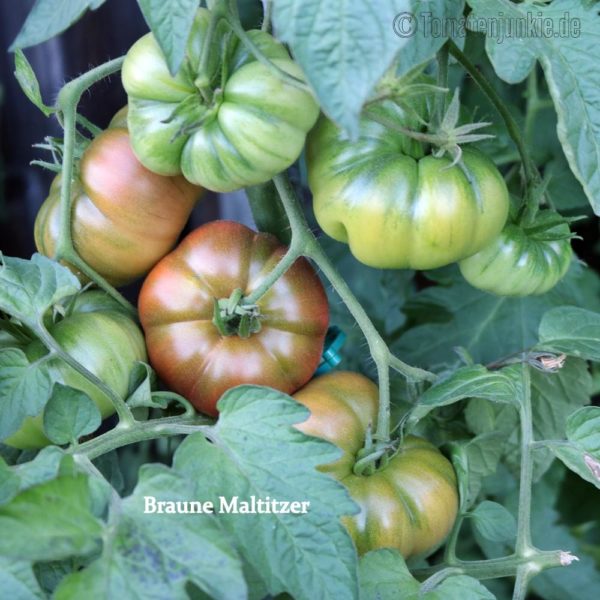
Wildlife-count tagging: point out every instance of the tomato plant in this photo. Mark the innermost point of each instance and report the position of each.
(125, 218)
(235, 124)
(96, 333)
(301, 417)
(521, 262)
(278, 341)
(411, 502)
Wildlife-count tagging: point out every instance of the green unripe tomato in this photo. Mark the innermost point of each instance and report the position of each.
(412, 502)
(238, 123)
(396, 206)
(104, 340)
(519, 263)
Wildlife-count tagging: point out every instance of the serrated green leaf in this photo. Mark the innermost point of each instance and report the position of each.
(467, 382)
(142, 381)
(24, 389)
(489, 327)
(459, 587)
(69, 414)
(343, 47)
(44, 467)
(473, 460)
(572, 73)
(257, 453)
(571, 330)
(48, 18)
(427, 37)
(383, 575)
(494, 522)
(160, 551)
(554, 396)
(50, 521)
(171, 23)
(582, 452)
(29, 83)
(17, 580)
(28, 288)
(9, 483)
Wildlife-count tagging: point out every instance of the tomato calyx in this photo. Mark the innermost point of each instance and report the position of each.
(232, 316)
(372, 457)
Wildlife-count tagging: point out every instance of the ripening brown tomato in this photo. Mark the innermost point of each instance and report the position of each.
(187, 349)
(125, 218)
(411, 503)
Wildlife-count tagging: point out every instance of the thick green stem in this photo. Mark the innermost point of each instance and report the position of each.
(68, 99)
(204, 76)
(234, 23)
(267, 210)
(523, 545)
(442, 82)
(531, 174)
(306, 244)
(268, 14)
(290, 257)
(507, 566)
(450, 550)
(125, 434)
(121, 407)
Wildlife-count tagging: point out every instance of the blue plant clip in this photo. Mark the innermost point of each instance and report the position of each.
(334, 340)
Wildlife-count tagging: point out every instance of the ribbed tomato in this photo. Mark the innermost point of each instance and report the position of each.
(412, 502)
(177, 305)
(124, 218)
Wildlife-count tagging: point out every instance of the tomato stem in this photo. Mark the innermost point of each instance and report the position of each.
(507, 566)
(442, 82)
(68, 99)
(123, 411)
(532, 175)
(143, 430)
(523, 544)
(233, 20)
(305, 243)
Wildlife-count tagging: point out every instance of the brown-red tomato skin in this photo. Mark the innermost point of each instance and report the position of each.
(124, 217)
(176, 307)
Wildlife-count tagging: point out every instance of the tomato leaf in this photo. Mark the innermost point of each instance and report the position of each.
(161, 552)
(44, 467)
(29, 83)
(50, 521)
(48, 18)
(257, 453)
(9, 483)
(574, 331)
(489, 327)
(554, 397)
(459, 587)
(467, 382)
(582, 452)
(572, 73)
(29, 287)
(18, 581)
(24, 389)
(383, 575)
(422, 27)
(69, 414)
(494, 522)
(171, 23)
(473, 460)
(343, 47)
